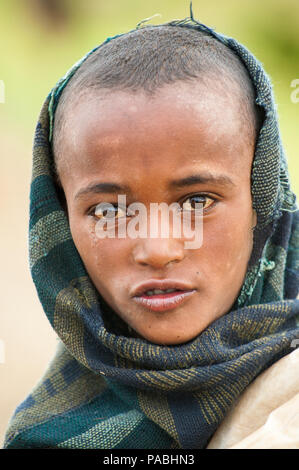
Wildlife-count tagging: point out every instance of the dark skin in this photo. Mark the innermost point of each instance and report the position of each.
(145, 143)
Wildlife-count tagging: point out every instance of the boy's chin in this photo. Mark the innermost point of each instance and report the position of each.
(171, 339)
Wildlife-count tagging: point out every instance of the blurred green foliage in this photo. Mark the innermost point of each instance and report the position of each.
(39, 45)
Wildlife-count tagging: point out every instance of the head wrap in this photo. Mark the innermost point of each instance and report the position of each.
(106, 389)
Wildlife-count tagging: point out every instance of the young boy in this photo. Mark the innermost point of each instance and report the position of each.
(159, 339)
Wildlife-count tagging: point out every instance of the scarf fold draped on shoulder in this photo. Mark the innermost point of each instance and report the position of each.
(106, 389)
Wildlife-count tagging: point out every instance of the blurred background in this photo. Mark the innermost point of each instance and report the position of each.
(40, 40)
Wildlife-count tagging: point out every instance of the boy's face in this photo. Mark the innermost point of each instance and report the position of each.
(144, 145)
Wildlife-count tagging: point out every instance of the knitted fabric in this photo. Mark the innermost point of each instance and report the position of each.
(106, 389)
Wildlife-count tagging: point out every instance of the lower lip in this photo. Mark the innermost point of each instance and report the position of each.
(163, 302)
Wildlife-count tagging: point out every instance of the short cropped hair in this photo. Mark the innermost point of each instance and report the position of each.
(153, 56)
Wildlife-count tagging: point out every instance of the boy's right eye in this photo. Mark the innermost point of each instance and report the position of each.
(108, 211)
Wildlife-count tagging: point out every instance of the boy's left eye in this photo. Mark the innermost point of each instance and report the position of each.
(189, 203)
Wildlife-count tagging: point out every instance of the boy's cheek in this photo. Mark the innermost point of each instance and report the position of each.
(230, 231)
(224, 255)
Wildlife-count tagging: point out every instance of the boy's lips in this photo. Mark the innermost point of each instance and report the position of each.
(145, 294)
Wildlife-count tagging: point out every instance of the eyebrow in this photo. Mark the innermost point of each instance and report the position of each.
(98, 188)
(222, 180)
(115, 188)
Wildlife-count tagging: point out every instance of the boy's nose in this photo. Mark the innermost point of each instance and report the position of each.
(158, 252)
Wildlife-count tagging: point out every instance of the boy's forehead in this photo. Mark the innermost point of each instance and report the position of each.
(184, 115)
(132, 135)
(202, 104)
